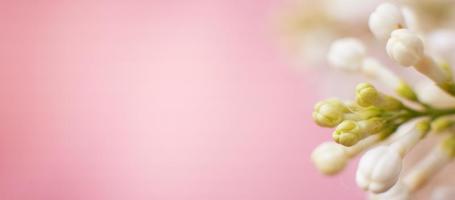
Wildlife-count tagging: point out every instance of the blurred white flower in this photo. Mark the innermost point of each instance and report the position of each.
(386, 18)
(350, 11)
(312, 47)
(330, 157)
(346, 54)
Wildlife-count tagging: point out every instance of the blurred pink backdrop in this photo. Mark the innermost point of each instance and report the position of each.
(162, 100)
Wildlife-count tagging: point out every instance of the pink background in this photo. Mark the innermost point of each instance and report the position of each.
(162, 100)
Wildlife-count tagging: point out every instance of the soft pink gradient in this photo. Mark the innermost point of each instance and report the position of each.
(156, 100)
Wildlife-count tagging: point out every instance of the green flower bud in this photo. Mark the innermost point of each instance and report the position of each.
(441, 124)
(349, 132)
(329, 113)
(388, 130)
(366, 94)
(423, 127)
(448, 145)
(448, 85)
(445, 66)
(405, 91)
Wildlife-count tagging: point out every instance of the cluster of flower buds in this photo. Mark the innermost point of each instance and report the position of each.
(406, 47)
(372, 121)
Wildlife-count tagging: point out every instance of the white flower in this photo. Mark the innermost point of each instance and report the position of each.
(350, 11)
(405, 47)
(330, 158)
(443, 193)
(379, 169)
(385, 19)
(346, 54)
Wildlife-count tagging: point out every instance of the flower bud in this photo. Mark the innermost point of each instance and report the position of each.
(347, 133)
(350, 132)
(379, 169)
(405, 91)
(346, 54)
(441, 124)
(448, 145)
(398, 192)
(329, 113)
(367, 95)
(405, 47)
(385, 19)
(330, 158)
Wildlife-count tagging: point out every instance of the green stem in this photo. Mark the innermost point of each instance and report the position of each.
(431, 112)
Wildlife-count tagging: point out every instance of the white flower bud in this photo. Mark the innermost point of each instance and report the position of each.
(330, 158)
(443, 193)
(385, 19)
(379, 169)
(398, 192)
(405, 47)
(346, 54)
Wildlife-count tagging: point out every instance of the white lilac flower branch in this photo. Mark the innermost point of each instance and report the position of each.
(369, 122)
